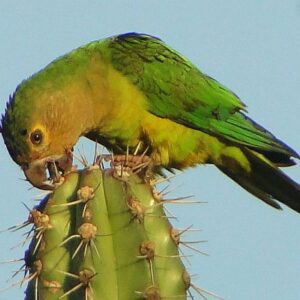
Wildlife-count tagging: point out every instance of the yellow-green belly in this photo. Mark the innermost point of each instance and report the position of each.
(176, 145)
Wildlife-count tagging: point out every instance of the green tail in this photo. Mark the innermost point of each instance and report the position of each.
(267, 182)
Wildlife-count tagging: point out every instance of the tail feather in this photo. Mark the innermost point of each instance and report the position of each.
(266, 182)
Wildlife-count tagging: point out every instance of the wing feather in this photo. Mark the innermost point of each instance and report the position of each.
(178, 90)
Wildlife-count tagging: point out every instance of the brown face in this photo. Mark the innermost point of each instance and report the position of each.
(44, 156)
(37, 149)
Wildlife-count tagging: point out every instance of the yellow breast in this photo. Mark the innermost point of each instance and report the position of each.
(177, 145)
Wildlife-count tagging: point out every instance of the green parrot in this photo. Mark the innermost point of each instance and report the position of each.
(133, 89)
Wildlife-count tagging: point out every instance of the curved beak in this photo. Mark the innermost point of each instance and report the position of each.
(36, 171)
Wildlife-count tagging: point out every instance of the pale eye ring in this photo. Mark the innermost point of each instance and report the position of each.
(36, 137)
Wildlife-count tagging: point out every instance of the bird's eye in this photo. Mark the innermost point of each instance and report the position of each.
(36, 137)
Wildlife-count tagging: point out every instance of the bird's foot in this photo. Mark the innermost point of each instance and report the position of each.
(126, 164)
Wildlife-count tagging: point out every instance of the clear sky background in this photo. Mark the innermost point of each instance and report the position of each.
(253, 47)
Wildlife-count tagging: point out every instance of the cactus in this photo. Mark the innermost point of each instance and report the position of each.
(103, 234)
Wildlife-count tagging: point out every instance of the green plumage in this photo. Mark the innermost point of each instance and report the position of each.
(140, 91)
(177, 90)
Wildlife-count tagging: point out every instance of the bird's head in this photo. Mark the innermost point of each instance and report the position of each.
(38, 136)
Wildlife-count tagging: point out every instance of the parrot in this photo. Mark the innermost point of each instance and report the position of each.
(133, 90)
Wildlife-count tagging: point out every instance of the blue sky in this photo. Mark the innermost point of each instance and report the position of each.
(253, 47)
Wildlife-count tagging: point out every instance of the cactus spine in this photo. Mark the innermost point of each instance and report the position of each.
(103, 235)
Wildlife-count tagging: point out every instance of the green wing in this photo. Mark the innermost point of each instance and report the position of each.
(177, 90)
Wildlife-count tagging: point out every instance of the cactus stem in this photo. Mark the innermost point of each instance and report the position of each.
(140, 240)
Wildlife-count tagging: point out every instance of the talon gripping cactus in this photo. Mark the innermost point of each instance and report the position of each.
(103, 236)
